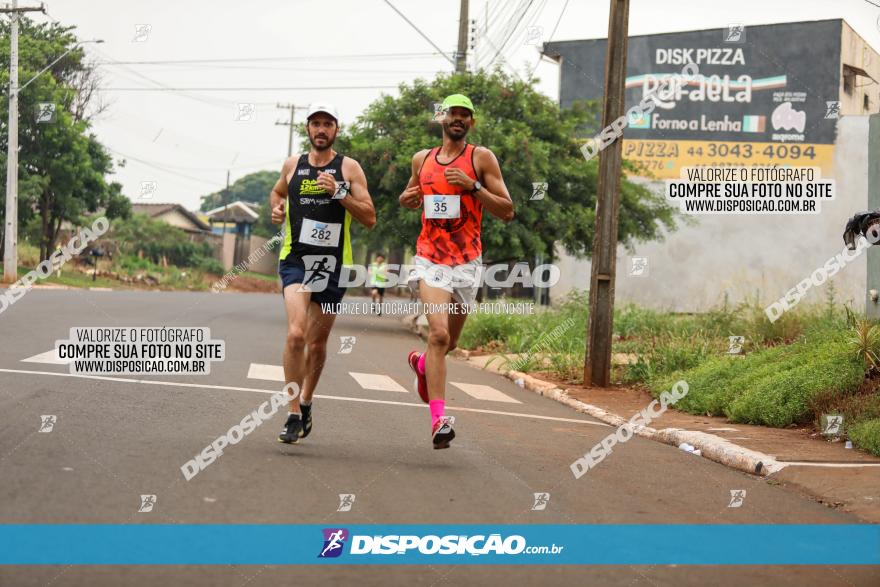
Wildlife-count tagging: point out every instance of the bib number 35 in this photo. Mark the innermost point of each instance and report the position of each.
(443, 206)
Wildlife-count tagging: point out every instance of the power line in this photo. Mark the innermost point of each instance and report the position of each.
(418, 30)
(504, 28)
(324, 57)
(550, 38)
(523, 32)
(558, 20)
(185, 67)
(492, 19)
(164, 166)
(505, 25)
(485, 58)
(161, 85)
(251, 89)
(519, 20)
(161, 168)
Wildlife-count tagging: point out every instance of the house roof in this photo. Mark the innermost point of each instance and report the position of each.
(157, 209)
(237, 211)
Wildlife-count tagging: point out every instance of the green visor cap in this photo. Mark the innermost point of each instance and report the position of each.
(458, 100)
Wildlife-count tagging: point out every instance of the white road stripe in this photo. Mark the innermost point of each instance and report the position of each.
(376, 382)
(329, 397)
(266, 372)
(49, 357)
(484, 392)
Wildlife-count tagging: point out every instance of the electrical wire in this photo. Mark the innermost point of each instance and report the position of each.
(250, 89)
(518, 21)
(550, 38)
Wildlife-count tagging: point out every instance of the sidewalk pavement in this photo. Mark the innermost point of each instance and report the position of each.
(797, 457)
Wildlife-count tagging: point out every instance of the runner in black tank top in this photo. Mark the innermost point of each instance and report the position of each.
(317, 223)
(318, 194)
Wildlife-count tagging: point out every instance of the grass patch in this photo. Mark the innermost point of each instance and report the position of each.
(78, 273)
(866, 435)
(520, 333)
(270, 278)
(811, 361)
(773, 386)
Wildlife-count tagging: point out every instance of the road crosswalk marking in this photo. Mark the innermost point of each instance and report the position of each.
(266, 372)
(377, 382)
(371, 381)
(165, 383)
(49, 357)
(484, 392)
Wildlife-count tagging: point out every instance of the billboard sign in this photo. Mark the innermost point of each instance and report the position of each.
(760, 98)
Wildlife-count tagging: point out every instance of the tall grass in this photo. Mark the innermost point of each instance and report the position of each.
(812, 360)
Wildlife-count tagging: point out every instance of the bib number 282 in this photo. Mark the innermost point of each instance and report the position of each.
(321, 234)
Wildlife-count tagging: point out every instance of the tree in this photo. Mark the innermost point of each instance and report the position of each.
(62, 166)
(254, 187)
(142, 236)
(535, 141)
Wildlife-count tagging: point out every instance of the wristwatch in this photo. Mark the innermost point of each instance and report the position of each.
(477, 187)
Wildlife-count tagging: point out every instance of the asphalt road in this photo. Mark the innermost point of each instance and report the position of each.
(116, 440)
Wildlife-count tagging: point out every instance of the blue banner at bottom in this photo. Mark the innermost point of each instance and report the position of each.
(523, 544)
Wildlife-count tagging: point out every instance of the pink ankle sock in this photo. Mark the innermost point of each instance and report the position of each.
(437, 407)
(421, 364)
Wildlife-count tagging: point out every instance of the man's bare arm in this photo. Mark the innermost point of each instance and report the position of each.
(358, 201)
(278, 195)
(412, 195)
(494, 194)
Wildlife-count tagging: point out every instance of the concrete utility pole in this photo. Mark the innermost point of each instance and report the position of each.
(10, 250)
(289, 123)
(463, 25)
(226, 202)
(597, 365)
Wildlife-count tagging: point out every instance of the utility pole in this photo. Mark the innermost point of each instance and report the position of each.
(597, 365)
(463, 22)
(226, 220)
(10, 250)
(289, 123)
(226, 202)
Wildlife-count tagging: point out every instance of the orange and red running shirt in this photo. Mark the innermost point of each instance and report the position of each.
(447, 237)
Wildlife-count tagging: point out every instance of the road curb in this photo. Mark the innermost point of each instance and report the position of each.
(710, 446)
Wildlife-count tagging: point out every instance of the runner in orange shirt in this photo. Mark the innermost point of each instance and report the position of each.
(454, 182)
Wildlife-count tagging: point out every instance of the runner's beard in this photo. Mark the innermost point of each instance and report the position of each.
(455, 134)
(321, 148)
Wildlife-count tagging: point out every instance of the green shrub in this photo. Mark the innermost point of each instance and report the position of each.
(156, 239)
(773, 386)
(784, 398)
(210, 265)
(668, 354)
(866, 435)
(481, 329)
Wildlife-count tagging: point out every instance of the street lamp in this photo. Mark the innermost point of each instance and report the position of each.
(10, 251)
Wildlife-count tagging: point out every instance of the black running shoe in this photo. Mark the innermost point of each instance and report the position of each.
(442, 432)
(290, 432)
(306, 420)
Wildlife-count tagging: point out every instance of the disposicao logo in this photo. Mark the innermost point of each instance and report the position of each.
(334, 541)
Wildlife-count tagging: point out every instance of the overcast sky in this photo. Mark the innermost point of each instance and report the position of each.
(186, 137)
